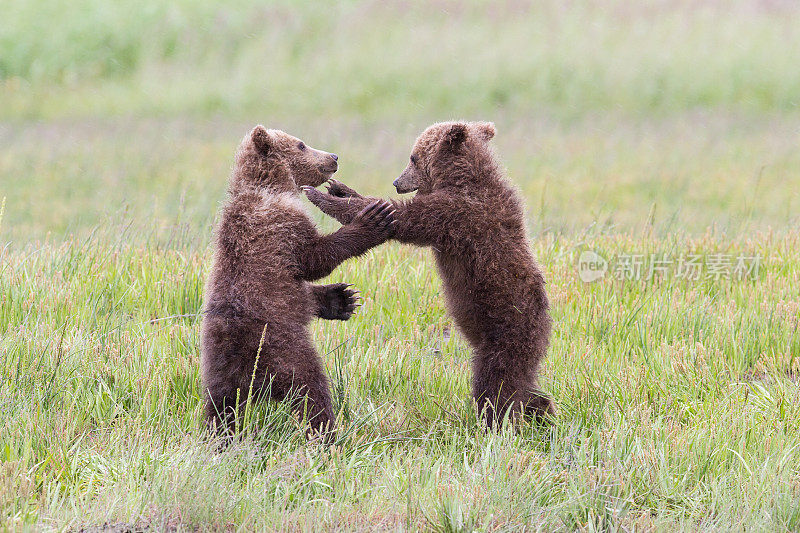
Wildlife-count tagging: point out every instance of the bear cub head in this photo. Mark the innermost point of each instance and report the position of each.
(441, 148)
(273, 159)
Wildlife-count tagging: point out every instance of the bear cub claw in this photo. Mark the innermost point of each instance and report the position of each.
(377, 219)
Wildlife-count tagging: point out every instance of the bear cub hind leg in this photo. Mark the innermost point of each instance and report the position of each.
(498, 395)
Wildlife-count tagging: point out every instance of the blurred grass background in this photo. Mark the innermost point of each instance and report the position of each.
(398, 59)
(619, 113)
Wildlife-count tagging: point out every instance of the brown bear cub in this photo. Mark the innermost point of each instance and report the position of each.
(258, 301)
(473, 219)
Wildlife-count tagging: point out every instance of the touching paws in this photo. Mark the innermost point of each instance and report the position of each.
(338, 302)
(336, 190)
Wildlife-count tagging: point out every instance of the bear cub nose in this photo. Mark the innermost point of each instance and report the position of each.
(334, 157)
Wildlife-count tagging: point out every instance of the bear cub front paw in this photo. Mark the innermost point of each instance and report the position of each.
(340, 190)
(376, 221)
(338, 302)
(316, 197)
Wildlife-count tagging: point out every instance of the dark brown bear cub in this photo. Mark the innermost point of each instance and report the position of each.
(258, 301)
(473, 219)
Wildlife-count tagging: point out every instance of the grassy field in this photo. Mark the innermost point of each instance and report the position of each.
(665, 133)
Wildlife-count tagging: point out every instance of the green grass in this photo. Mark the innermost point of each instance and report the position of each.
(630, 128)
(678, 401)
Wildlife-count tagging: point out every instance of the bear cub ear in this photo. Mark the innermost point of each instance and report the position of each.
(261, 139)
(486, 130)
(455, 135)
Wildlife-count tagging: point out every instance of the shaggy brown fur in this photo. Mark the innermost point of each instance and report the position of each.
(267, 249)
(473, 218)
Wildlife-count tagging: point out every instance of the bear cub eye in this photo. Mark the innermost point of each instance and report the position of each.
(414, 159)
(301, 145)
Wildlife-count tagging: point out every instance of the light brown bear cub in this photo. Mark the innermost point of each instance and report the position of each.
(473, 219)
(267, 249)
